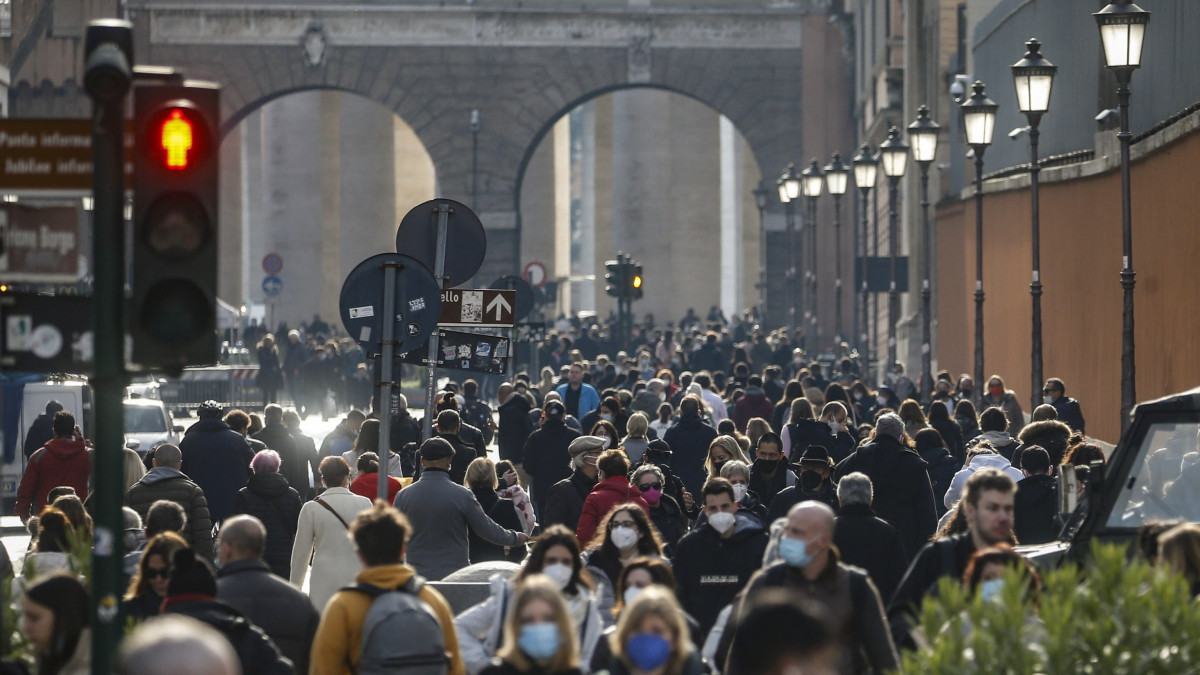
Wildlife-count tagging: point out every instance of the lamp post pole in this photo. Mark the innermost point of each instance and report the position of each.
(812, 180)
(979, 120)
(836, 174)
(1033, 76)
(1122, 31)
(895, 158)
(924, 136)
(865, 171)
(789, 190)
(760, 200)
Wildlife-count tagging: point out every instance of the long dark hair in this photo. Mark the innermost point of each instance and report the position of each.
(163, 545)
(368, 437)
(63, 595)
(604, 554)
(556, 535)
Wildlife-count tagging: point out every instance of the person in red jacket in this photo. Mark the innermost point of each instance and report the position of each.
(367, 483)
(754, 404)
(612, 489)
(63, 460)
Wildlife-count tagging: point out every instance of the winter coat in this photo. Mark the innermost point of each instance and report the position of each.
(754, 404)
(978, 462)
(504, 513)
(367, 485)
(40, 433)
(515, 428)
(292, 466)
(903, 494)
(61, 461)
(826, 493)
(336, 647)
(606, 495)
(442, 514)
(256, 652)
(218, 459)
(1069, 413)
(564, 501)
(1003, 443)
(306, 447)
(645, 402)
(952, 436)
(1035, 507)
(946, 557)
(269, 498)
(321, 537)
(766, 487)
(670, 521)
(689, 441)
(472, 436)
(404, 430)
(1012, 410)
(546, 458)
(589, 399)
(942, 468)
(163, 482)
(797, 437)
(281, 610)
(481, 627)
(711, 571)
(1052, 435)
(871, 543)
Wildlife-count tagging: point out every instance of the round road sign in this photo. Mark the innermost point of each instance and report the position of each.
(417, 237)
(535, 273)
(524, 300)
(272, 264)
(418, 303)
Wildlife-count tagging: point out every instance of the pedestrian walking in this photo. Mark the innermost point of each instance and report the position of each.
(276, 505)
(321, 535)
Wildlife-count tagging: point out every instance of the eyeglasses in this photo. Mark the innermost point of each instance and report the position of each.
(650, 486)
(627, 524)
(158, 572)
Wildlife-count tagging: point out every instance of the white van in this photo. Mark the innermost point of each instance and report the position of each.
(75, 396)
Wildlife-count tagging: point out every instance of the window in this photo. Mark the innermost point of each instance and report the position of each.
(1164, 481)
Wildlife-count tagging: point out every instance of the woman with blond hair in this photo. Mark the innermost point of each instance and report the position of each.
(482, 481)
(635, 441)
(652, 638)
(539, 636)
(755, 428)
(721, 450)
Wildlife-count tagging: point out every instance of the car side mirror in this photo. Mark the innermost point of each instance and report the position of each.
(177, 428)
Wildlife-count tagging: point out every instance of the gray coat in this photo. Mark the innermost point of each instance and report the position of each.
(441, 513)
(284, 612)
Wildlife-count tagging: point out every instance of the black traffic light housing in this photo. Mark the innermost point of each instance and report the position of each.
(172, 316)
(614, 278)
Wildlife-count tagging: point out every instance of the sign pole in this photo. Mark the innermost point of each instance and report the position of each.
(439, 273)
(388, 346)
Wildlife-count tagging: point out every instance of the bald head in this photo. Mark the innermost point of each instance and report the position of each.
(816, 514)
(503, 392)
(241, 538)
(179, 645)
(168, 455)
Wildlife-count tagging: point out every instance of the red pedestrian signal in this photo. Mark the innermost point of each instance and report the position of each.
(177, 139)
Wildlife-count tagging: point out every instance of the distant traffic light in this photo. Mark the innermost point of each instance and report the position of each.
(635, 281)
(172, 317)
(614, 278)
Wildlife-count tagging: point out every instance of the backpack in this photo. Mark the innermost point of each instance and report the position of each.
(479, 414)
(400, 633)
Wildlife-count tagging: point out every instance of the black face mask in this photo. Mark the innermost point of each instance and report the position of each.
(810, 481)
(717, 467)
(767, 464)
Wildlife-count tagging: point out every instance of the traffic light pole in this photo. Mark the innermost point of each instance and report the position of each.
(108, 74)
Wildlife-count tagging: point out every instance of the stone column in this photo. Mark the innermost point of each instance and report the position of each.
(367, 199)
(561, 139)
(751, 234)
(231, 280)
(731, 217)
(253, 231)
(585, 263)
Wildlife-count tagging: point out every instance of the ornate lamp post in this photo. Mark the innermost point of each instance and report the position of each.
(1033, 76)
(761, 193)
(789, 190)
(979, 120)
(894, 153)
(866, 167)
(924, 136)
(813, 180)
(836, 174)
(1123, 31)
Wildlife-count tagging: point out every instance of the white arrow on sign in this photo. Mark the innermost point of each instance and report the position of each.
(501, 306)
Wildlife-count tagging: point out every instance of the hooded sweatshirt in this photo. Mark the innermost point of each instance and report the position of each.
(711, 571)
(978, 462)
(62, 461)
(607, 494)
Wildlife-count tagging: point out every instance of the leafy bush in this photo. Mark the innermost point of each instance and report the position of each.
(1116, 617)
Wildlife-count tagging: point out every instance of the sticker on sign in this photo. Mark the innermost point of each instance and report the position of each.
(362, 312)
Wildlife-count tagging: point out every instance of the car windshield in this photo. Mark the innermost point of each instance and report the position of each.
(1164, 482)
(139, 420)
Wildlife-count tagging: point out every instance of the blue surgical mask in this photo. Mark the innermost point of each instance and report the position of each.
(539, 640)
(795, 552)
(606, 417)
(1048, 400)
(990, 590)
(648, 651)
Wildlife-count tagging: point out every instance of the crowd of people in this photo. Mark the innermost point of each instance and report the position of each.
(641, 516)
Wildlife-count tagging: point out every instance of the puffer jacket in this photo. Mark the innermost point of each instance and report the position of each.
(61, 461)
(283, 611)
(270, 498)
(164, 482)
(256, 652)
(607, 494)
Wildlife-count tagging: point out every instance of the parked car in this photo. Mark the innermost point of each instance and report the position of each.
(147, 425)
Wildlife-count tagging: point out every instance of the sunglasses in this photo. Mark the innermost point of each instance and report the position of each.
(153, 573)
(650, 486)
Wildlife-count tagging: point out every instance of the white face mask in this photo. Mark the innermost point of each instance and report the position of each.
(631, 594)
(560, 573)
(624, 538)
(722, 521)
(739, 491)
(833, 427)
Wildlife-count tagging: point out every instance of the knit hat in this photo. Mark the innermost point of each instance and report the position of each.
(191, 575)
(555, 409)
(585, 443)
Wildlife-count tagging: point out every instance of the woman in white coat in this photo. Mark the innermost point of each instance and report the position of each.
(323, 525)
(556, 554)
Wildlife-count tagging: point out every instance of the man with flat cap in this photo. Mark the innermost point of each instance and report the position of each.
(564, 500)
(815, 467)
(441, 512)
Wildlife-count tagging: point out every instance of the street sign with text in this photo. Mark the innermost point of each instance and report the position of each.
(39, 245)
(50, 154)
(480, 307)
(46, 334)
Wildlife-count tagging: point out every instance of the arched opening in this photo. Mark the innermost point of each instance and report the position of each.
(655, 174)
(319, 178)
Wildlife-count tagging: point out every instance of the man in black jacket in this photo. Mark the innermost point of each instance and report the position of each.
(1055, 393)
(448, 426)
(903, 494)
(515, 428)
(165, 481)
(244, 581)
(404, 429)
(547, 457)
(1036, 503)
(42, 429)
(864, 540)
(217, 458)
(714, 561)
(689, 441)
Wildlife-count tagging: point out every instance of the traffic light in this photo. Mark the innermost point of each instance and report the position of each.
(635, 281)
(614, 278)
(173, 314)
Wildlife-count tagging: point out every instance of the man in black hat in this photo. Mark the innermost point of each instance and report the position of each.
(217, 458)
(440, 512)
(815, 467)
(547, 458)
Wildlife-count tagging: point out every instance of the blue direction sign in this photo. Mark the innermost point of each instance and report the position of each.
(272, 286)
(418, 302)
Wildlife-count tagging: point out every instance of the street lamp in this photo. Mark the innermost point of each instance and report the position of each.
(813, 181)
(761, 193)
(1123, 31)
(789, 190)
(894, 153)
(866, 166)
(924, 136)
(836, 175)
(1033, 76)
(979, 121)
